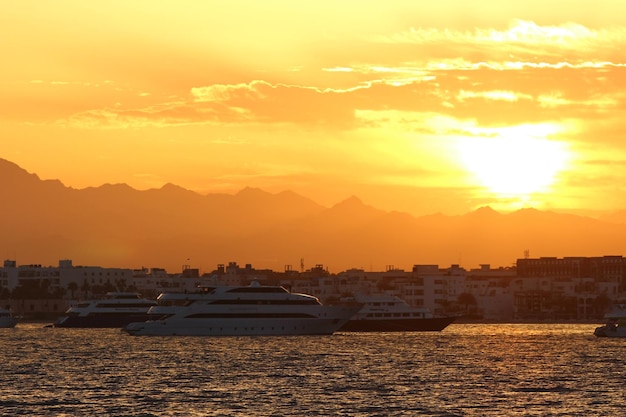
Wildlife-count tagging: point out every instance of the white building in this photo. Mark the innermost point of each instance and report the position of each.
(63, 277)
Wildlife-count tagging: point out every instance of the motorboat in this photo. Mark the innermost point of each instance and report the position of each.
(615, 325)
(611, 329)
(253, 309)
(116, 309)
(390, 313)
(7, 319)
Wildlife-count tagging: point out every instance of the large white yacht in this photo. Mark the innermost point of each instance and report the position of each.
(253, 309)
(116, 309)
(389, 313)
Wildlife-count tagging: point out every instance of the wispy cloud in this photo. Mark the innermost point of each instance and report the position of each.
(526, 73)
(521, 33)
(487, 95)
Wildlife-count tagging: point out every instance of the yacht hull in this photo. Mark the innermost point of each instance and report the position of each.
(326, 323)
(7, 322)
(432, 324)
(99, 321)
(7, 319)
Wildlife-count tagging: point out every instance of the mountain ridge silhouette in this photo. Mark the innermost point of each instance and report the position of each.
(116, 225)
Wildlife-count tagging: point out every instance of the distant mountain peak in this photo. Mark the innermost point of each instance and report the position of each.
(529, 211)
(11, 168)
(118, 189)
(5, 164)
(16, 178)
(485, 211)
(251, 192)
(352, 201)
(249, 189)
(353, 206)
(116, 186)
(169, 187)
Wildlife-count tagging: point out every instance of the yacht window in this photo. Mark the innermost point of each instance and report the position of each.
(124, 305)
(258, 290)
(127, 297)
(170, 303)
(312, 301)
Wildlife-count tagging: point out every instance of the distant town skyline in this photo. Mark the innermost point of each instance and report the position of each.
(443, 107)
(570, 288)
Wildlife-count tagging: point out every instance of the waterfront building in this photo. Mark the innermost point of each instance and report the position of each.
(150, 282)
(572, 288)
(63, 277)
(608, 271)
(491, 291)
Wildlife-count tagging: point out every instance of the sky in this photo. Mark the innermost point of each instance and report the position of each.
(421, 107)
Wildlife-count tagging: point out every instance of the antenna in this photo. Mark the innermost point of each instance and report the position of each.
(301, 264)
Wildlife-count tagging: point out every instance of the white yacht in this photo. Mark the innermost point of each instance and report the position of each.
(7, 319)
(253, 309)
(389, 313)
(116, 309)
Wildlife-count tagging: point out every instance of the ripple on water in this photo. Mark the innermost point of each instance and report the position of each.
(466, 370)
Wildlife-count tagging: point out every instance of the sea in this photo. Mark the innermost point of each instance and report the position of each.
(465, 370)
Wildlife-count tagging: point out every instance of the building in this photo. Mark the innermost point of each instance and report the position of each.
(571, 288)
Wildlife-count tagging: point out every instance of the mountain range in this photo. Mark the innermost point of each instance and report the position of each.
(114, 225)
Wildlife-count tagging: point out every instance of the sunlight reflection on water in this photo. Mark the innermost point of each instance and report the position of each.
(466, 370)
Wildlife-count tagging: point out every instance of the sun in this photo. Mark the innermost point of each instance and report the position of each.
(514, 162)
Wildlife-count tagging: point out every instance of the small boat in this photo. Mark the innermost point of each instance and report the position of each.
(7, 319)
(615, 325)
(116, 309)
(389, 313)
(612, 329)
(253, 309)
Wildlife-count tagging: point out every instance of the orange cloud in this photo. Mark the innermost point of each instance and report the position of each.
(486, 95)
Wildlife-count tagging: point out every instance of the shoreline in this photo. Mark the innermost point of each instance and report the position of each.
(460, 321)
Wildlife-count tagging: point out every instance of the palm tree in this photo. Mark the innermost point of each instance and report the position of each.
(466, 299)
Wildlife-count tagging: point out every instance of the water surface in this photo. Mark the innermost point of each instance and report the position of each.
(466, 370)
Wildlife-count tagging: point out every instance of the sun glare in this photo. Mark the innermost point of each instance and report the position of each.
(517, 162)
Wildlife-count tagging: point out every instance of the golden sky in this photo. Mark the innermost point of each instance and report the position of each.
(417, 106)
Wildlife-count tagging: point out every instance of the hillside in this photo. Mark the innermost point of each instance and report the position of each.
(116, 225)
